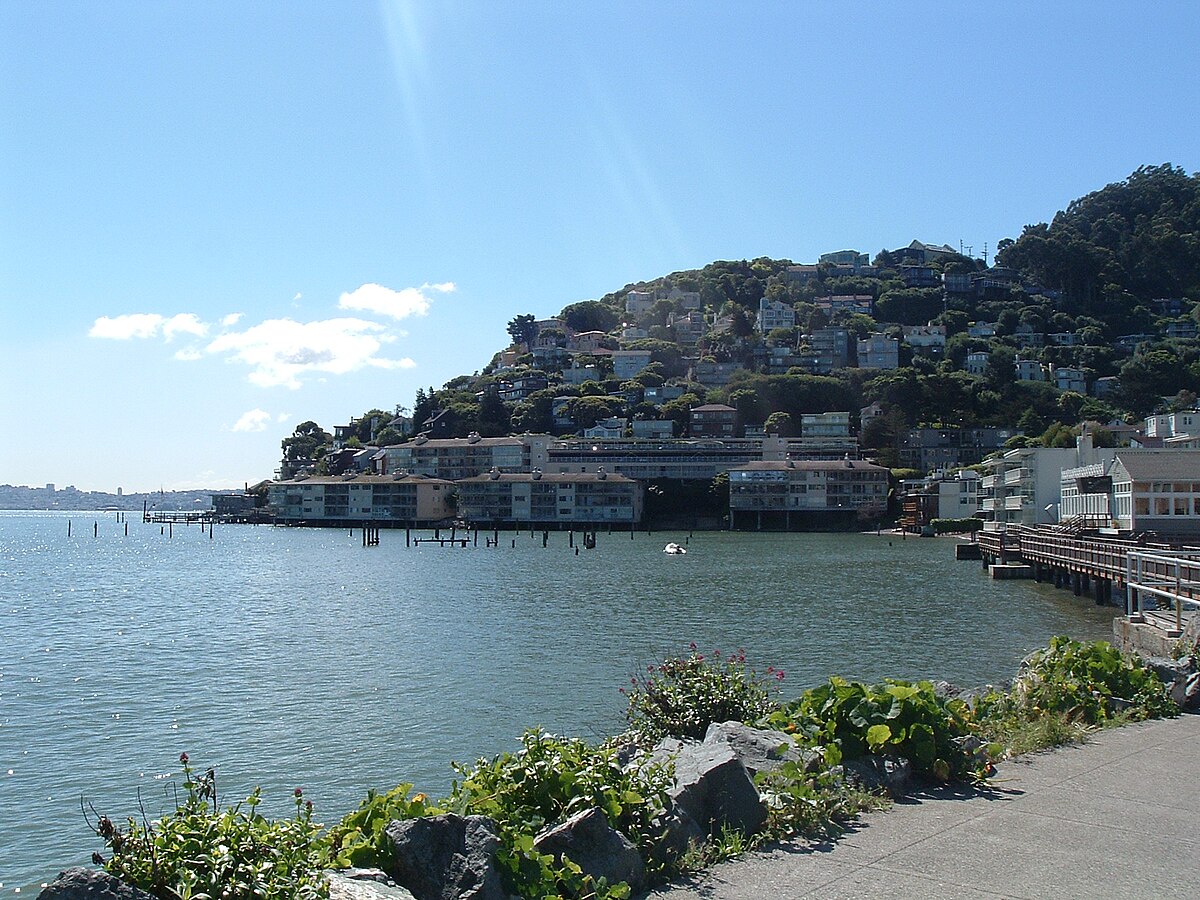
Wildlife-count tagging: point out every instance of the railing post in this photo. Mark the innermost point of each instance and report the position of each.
(1178, 600)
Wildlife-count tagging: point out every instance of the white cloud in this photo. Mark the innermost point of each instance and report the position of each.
(122, 328)
(147, 325)
(253, 420)
(184, 323)
(230, 320)
(399, 304)
(188, 354)
(279, 351)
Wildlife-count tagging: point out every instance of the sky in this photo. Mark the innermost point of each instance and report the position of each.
(219, 220)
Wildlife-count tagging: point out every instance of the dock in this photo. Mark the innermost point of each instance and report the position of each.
(1158, 583)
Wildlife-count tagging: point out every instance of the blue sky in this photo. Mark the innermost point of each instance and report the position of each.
(218, 220)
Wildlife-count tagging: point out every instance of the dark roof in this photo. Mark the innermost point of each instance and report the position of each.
(553, 477)
(1144, 465)
(364, 479)
(810, 465)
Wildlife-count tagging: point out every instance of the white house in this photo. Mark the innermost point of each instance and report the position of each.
(1068, 379)
(1030, 370)
(1156, 490)
(773, 314)
(878, 351)
(977, 361)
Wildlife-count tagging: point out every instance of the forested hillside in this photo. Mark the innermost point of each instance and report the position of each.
(1106, 293)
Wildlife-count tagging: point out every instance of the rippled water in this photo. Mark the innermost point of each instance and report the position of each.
(290, 657)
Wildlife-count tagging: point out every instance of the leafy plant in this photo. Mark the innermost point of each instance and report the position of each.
(1079, 684)
(683, 695)
(895, 717)
(199, 852)
(360, 838)
(548, 780)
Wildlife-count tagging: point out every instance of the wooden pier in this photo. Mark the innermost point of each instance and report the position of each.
(1114, 570)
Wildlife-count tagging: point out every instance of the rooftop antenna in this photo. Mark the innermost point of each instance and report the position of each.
(985, 262)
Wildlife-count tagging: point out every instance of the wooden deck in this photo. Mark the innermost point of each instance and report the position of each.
(1127, 572)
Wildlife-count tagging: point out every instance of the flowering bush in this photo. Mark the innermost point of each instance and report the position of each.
(199, 851)
(683, 695)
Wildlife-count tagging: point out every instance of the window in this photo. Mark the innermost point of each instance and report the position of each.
(1162, 506)
(1141, 506)
(1181, 506)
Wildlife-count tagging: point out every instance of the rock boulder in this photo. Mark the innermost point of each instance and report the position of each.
(715, 790)
(89, 884)
(596, 847)
(758, 749)
(447, 857)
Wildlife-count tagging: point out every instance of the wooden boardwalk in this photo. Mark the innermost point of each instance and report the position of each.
(1127, 572)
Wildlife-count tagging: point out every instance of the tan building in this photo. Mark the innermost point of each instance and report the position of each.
(455, 458)
(329, 500)
(772, 493)
(550, 499)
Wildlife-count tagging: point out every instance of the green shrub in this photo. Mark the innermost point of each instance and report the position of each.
(894, 717)
(1085, 684)
(547, 781)
(200, 852)
(360, 838)
(683, 695)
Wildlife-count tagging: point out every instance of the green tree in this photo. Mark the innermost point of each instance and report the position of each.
(494, 416)
(590, 315)
(523, 329)
(587, 411)
(306, 444)
(780, 423)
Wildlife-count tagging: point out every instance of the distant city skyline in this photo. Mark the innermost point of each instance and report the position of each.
(217, 222)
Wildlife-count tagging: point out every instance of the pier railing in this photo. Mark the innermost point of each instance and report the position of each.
(1172, 576)
(1168, 573)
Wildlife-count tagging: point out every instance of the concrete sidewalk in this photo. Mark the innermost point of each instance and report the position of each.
(1117, 817)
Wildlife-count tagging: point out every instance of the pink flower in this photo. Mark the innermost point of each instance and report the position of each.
(692, 645)
(298, 792)
(183, 758)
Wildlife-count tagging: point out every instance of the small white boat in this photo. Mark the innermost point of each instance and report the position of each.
(674, 549)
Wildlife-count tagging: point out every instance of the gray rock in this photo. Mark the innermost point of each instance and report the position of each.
(875, 773)
(89, 884)
(364, 884)
(596, 847)
(447, 857)
(714, 788)
(758, 749)
(1169, 671)
(946, 689)
(678, 831)
(667, 749)
(1186, 693)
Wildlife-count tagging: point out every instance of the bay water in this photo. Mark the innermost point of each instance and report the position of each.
(288, 657)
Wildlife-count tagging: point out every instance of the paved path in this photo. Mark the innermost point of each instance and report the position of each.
(1117, 817)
